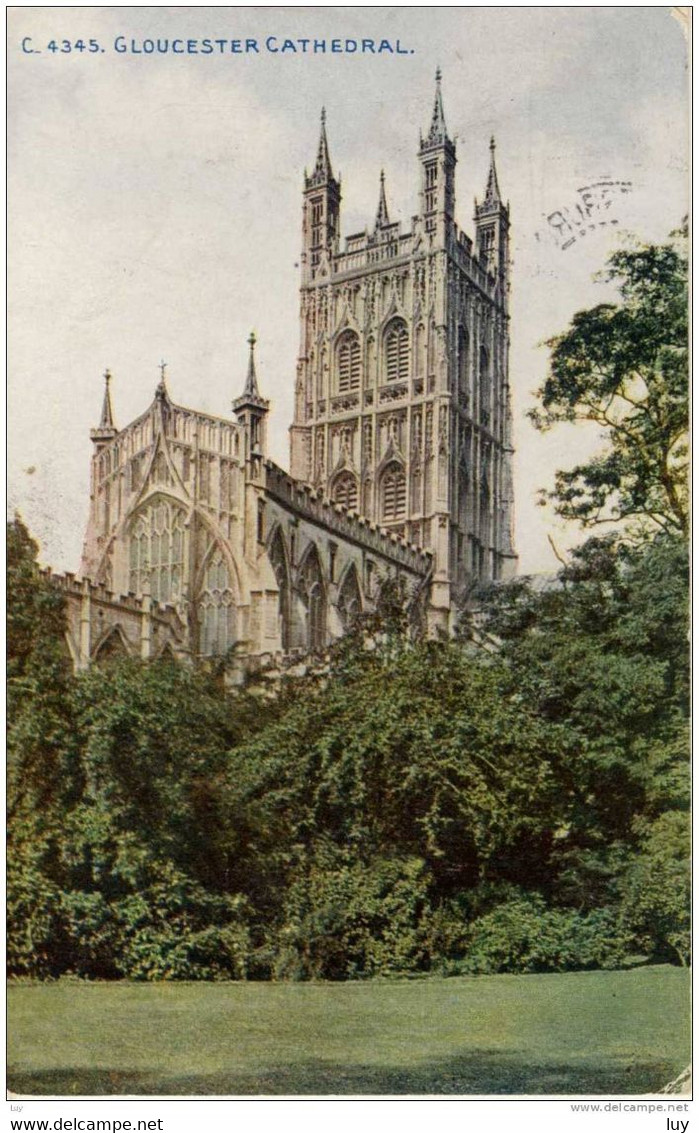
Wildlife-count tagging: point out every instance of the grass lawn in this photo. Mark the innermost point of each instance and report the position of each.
(577, 1033)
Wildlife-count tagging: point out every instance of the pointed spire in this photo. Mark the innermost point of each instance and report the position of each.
(323, 168)
(438, 127)
(382, 220)
(250, 397)
(492, 189)
(107, 418)
(251, 389)
(106, 430)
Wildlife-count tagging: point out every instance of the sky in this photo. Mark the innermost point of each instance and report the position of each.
(154, 203)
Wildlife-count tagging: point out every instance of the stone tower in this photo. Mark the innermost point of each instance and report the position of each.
(402, 407)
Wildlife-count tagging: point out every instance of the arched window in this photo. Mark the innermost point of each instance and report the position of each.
(312, 593)
(216, 608)
(397, 351)
(156, 550)
(280, 566)
(112, 646)
(349, 364)
(462, 360)
(393, 493)
(484, 385)
(349, 600)
(345, 491)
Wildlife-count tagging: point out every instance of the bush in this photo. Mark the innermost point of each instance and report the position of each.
(524, 936)
(351, 920)
(656, 904)
(33, 913)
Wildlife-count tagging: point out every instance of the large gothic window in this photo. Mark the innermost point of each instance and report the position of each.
(349, 365)
(156, 550)
(393, 493)
(397, 351)
(280, 566)
(345, 491)
(349, 600)
(216, 608)
(312, 592)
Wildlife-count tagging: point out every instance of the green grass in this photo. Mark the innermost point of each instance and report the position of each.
(577, 1033)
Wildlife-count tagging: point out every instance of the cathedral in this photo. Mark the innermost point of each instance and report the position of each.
(198, 545)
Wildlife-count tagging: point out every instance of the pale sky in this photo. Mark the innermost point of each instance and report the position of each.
(155, 203)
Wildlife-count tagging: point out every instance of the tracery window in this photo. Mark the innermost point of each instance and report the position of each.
(216, 608)
(156, 550)
(312, 593)
(397, 351)
(280, 566)
(393, 493)
(345, 491)
(349, 363)
(349, 601)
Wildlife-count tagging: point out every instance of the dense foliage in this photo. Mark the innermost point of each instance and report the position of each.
(624, 368)
(420, 805)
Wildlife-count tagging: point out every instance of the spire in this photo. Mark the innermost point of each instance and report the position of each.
(106, 430)
(107, 419)
(382, 220)
(250, 396)
(492, 189)
(251, 389)
(438, 127)
(323, 169)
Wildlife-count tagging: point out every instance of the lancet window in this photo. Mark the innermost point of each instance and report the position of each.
(216, 608)
(397, 351)
(345, 491)
(349, 364)
(393, 493)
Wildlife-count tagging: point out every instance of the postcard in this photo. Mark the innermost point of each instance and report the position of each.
(347, 465)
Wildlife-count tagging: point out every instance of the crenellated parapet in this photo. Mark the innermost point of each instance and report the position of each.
(307, 503)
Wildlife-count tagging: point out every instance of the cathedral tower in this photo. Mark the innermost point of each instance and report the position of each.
(402, 409)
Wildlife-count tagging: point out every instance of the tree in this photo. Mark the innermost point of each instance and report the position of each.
(602, 654)
(624, 368)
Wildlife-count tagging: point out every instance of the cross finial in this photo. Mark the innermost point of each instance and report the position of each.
(163, 364)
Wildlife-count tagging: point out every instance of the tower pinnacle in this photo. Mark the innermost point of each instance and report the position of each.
(106, 430)
(438, 128)
(492, 189)
(323, 169)
(251, 389)
(382, 211)
(250, 408)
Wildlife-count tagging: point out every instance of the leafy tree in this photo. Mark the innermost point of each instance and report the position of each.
(656, 903)
(624, 368)
(43, 774)
(602, 654)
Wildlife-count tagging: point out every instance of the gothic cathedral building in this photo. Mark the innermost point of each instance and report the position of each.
(401, 450)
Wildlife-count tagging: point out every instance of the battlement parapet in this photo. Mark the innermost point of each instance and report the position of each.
(312, 505)
(75, 587)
